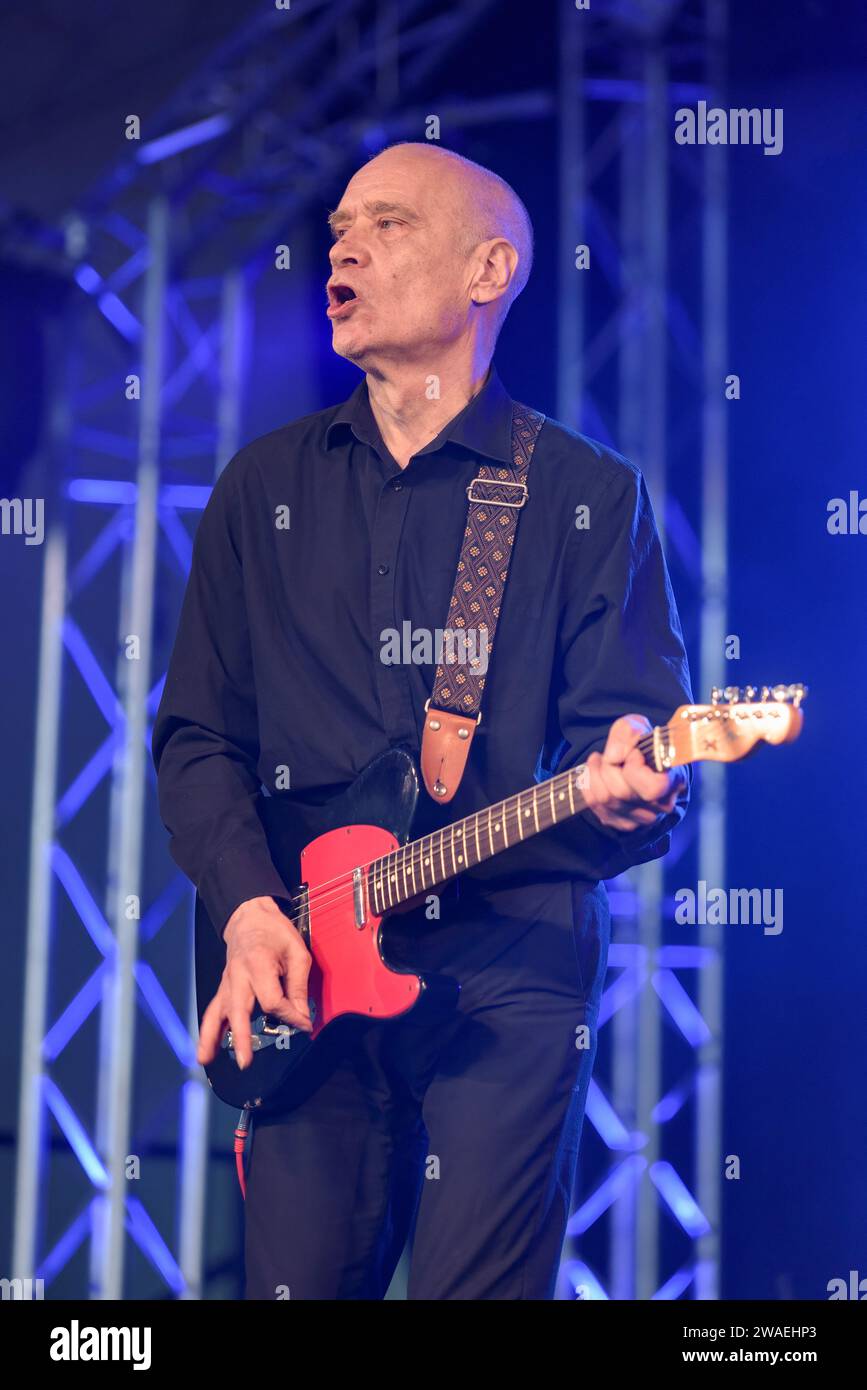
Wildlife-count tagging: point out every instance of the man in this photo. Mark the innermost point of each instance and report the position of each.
(279, 679)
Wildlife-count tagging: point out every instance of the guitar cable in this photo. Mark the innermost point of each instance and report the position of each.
(242, 1130)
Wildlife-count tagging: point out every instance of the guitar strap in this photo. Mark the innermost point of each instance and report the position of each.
(453, 710)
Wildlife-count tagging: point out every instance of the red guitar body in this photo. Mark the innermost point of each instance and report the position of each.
(349, 975)
(351, 981)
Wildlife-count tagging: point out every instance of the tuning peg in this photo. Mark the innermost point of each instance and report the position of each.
(750, 693)
(715, 695)
(732, 693)
(780, 693)
(797, 693)
(766, 693)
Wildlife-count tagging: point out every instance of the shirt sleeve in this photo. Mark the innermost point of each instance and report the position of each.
(205, 737)
(622, 652)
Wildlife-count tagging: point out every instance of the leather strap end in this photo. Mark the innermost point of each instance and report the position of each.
(445, 746)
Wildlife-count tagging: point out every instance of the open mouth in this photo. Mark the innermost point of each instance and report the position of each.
(340, 300)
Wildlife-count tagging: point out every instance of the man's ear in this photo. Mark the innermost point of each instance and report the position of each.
(500, 267)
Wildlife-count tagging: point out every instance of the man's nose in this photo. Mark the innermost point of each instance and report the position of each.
(348, 249)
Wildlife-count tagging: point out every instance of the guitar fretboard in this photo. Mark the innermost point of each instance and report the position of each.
(423, 864)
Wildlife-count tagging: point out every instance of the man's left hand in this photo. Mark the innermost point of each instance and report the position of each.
(620, 789)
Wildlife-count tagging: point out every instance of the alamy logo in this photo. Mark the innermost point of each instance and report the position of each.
(739, 126)
(423, 646)
(77, 1343)
(847, 518)
(715, 907)
(23, 516)
(23, 1290)
(856, 1289)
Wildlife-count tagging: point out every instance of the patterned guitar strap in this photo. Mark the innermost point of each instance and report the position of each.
(453, 710)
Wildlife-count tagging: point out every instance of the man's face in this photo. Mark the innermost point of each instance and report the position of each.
(398, 229)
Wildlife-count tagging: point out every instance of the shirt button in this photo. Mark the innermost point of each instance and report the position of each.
(382, 569)
(397, 486)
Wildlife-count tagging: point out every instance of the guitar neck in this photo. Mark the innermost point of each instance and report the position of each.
(718, 732)
(424, 864)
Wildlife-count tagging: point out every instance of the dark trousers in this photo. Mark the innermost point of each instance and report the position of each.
(469, 1128)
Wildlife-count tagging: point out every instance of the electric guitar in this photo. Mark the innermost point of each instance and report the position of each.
(362, 866)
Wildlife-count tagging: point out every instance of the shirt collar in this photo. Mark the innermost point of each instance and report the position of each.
(484, 425)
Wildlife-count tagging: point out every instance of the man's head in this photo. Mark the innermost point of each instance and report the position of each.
(436, 249)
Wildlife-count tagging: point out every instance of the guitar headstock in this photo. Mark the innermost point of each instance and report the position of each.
(730, 726)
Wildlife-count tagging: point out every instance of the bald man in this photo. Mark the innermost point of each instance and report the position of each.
(461, 1134)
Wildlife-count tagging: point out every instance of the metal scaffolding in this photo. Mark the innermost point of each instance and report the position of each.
(626, 197)
(167, 250)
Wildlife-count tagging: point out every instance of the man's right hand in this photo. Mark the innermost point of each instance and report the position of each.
(266, 959)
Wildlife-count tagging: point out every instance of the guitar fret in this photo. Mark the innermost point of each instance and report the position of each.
(410, 870)
(402, 874)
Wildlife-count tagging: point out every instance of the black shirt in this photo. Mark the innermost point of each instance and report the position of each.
(315, 546)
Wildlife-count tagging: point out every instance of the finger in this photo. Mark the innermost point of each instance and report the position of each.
(240, 1007)
(266, 980)
(623, 736)
(622, 803)
(211, 1029)
(608, 797)
(598, 792)
(622, 797)
(677, 782)
(644, 783)
(285, 995)
(298, 971)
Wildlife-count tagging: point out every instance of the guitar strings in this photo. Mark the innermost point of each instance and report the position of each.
(319, 896)
(339, 889)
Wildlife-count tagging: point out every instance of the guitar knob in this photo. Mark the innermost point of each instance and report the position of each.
(715, 695)
(750, 693)
(780, 693)
(797, 693)
(732, 694)
(766, 693)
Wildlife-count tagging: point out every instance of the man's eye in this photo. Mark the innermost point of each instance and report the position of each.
(390, 220)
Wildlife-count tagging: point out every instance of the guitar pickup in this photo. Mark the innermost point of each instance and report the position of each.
(359, 904)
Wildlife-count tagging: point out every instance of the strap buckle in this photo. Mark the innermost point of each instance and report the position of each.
(453, 711)
(497, 502)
